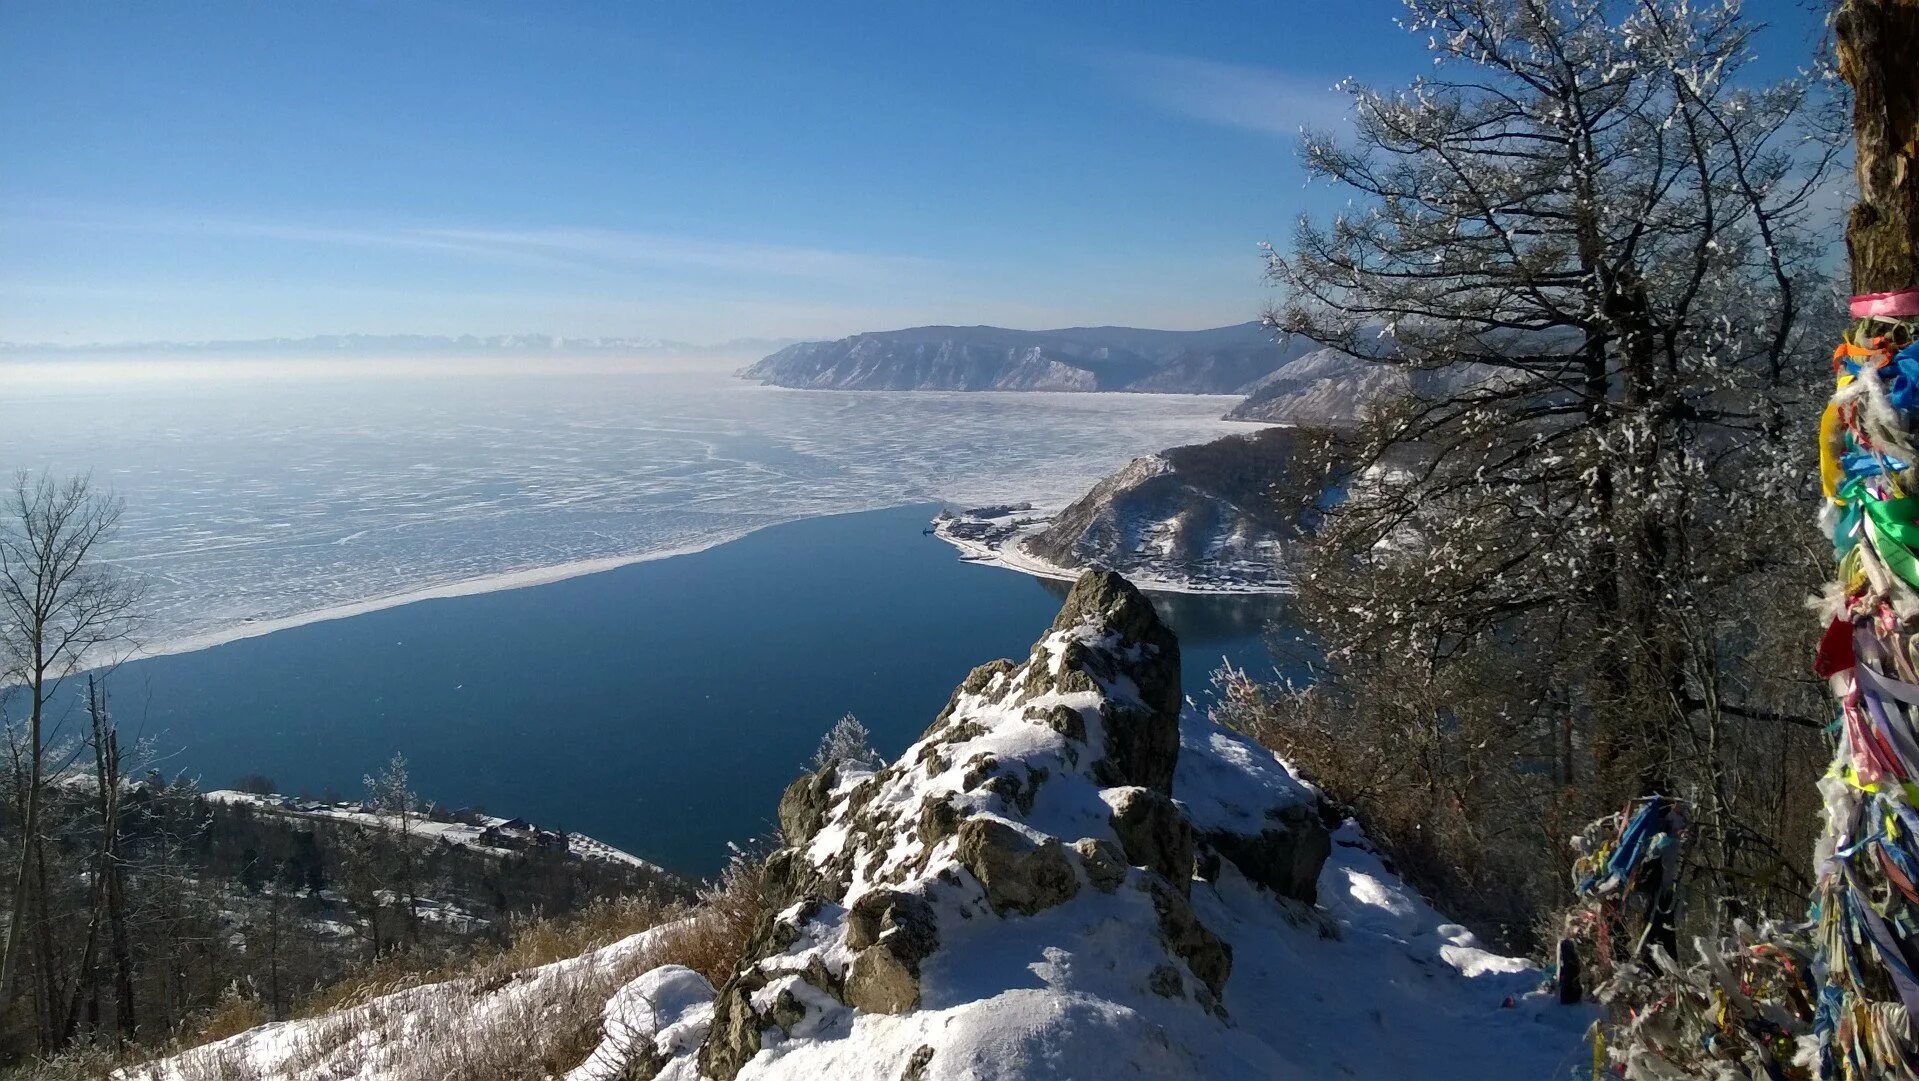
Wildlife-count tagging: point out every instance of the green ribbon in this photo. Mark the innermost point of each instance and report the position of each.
(1895, 523)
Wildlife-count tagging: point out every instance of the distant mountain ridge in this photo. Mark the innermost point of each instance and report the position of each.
(1221, 360)
(409, 344)
(1326, 387)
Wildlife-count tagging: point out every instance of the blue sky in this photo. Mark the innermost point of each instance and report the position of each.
(679, 170)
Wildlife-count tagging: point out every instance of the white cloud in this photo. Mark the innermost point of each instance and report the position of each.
(1233, 95)
(559, 246)
(604, 246)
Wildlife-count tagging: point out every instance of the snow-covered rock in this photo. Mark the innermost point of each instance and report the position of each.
(1065, 879)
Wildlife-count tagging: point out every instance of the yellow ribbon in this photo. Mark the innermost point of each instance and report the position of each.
(1832, 446)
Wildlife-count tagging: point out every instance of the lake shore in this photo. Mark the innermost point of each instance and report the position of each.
(1006, 552)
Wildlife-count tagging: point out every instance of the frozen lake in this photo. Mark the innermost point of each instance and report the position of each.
(261, 492)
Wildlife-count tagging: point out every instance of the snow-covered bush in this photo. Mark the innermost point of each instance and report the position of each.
(846, 743)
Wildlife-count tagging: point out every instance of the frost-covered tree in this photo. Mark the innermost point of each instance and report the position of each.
(848, 743)
(1556, 585)
(384, 857)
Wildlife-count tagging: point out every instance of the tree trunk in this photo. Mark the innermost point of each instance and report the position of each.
(1878, 44)
(29, 835)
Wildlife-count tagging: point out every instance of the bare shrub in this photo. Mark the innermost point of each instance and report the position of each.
(1473, 834)
(723, 920)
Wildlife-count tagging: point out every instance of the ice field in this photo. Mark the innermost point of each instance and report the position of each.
(261, 493)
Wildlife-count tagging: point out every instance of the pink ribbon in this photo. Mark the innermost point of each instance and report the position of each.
(1898, 304)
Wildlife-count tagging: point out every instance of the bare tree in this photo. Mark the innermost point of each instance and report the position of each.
(62, 608)
(386, 857)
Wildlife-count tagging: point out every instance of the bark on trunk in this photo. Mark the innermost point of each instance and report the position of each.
(1878, 45)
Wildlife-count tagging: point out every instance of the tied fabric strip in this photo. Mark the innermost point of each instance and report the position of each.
(1866, 908)
(1897, 304)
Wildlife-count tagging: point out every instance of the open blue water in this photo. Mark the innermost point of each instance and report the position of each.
(660, 707)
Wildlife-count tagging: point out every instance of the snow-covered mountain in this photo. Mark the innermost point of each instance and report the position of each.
(1217, 361)
(1065, 877)
(1330, 388)
(1216, 517)
(1221, 512)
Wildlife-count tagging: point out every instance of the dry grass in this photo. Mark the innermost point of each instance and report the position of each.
(236, 1012)
(726, 914)
(499, 1016)
(531, 942)
(85, 1064)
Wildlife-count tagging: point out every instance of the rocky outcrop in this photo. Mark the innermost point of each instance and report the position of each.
(803, 805)
(1285, 857)
(1062, 878)
(892, 932)
(1218, 361)
(1020, 873)
(1043, 785)
(1153, 833)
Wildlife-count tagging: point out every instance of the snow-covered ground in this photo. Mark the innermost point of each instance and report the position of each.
(264, 494)
(488, 834)
(995, 540)
(379, 1039)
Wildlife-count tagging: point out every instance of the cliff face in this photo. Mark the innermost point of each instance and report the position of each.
(1219, 512)
(1218, 361)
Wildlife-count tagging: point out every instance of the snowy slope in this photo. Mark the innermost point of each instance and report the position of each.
(1065, 878)
(382, 1039)
(1330, 388)
(1219, 515)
